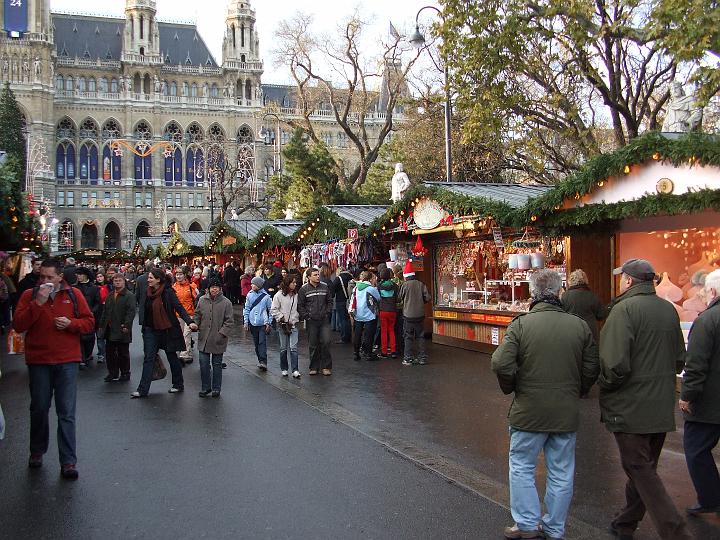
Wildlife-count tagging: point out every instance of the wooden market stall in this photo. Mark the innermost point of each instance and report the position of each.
(149, 247)
(184, 247)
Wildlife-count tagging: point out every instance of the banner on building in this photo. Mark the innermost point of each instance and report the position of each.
(16, 17)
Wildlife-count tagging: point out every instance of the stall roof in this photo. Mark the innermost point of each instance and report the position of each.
(514, 195)
(153, 241)
(251, 228)
(195, 238)
(362, 214)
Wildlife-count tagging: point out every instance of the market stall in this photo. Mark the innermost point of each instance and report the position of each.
(657, 198)
(184, 247)
(468, 248)
(249, 241)
(149, 247)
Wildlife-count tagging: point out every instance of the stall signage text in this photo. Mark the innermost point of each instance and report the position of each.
(228, 240)
(495, 335)
(445, 315)
(352, 234)
(497, 236)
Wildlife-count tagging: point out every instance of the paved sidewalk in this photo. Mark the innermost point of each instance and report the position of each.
(451, 417)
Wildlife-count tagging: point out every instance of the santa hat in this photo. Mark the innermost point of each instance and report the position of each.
(408, 271)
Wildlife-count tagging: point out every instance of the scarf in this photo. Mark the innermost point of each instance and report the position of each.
(160, 318)
(548, 298)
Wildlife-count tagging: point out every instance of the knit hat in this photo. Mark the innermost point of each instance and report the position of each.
(214, 282)
(408, 271)
(258, 282)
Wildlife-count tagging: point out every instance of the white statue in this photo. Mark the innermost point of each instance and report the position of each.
(400, 183)
(289, 213)
(234, 215)
(157, 85)
(38, 68)
(683, 113)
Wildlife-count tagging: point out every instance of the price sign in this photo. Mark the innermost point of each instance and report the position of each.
(495, 335)
(16, 17)
(497, 236)
(352, 234)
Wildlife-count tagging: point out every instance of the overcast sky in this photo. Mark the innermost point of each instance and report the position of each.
(210, 18)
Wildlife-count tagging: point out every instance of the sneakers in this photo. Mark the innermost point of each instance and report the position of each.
(326, 372)
(284, 373)
(68, 471)
(383, 355)
(216, 393)
(420, 362)
(407, 362)
(175, 390)
(124, 377)
(136, 395)
(100, 359)
(83, 366)
(296, 374)
(393, 355)
(204, 393)
(312, 372)
(223, 365)
(262, 367)
(111, 378)
(697, 510)
(35, 461)
(515, 532)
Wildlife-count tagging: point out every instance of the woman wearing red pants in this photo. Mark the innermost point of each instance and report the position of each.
(388, 313)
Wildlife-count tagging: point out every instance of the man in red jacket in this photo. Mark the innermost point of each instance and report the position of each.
(54, 316)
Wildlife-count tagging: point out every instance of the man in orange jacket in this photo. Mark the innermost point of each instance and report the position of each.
(54, 316)
(187, 292)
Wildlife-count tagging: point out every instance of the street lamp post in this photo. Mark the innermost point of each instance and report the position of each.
(263, 133)
(417, 40)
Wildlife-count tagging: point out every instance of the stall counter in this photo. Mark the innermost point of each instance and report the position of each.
(473, 329)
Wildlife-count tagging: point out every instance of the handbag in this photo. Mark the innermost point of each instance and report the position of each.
(286, 327)
(159, 369)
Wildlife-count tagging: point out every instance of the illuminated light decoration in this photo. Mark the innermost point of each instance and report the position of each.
(392, 220)
(626, 170)
(533, 218)
(412, 204)
(656, 156)
(402, 212)
(601, 183)
(383, 227)
(375, 234)
(577, 196)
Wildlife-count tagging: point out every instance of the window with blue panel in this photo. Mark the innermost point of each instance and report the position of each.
(169, 162)
(178, 167)
(60, 162)
(89, 163)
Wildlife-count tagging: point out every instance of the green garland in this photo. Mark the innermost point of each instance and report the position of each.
(320, 221)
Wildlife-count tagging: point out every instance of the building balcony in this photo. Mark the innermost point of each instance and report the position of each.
(256, 67)
(132, 98)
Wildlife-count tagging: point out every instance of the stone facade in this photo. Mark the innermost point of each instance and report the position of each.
(97, 91)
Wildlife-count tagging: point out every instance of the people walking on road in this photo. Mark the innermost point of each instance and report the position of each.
(700, 401)
(231, 278)
(364, 312)
(399, 321)
(31, 278)
(284, 311)
(342, 296)
(53, 316)
(104, 291)
(92, 296)
(161, 330)
(641, 347)
(413, 295)
(272, 279)
(315, 303)
(245, 283)
(548, 359)
(257, 319)
(188, 294)
(388, 313)
(581, 301)
(214, 318)
(116, 329)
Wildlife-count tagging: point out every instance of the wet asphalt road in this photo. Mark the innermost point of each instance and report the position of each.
(371, 452)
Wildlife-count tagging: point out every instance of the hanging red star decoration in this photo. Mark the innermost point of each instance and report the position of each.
(167, 153)
(419, 250)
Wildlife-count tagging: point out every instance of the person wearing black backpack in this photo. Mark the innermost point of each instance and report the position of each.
(342, 295)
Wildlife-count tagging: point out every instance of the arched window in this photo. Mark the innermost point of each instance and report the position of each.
(173, 168)
(69, 84)
(185, 89)
(248, 90)
(103, 85)
(146, 84)
(89, 163)
(65, 161)
(214, 90)
(143, 166)
(114, 86)
(82, 86)
(173, 132)
(216, 133)
(111, 165)
(111, 129)
(194, 133)
(89, 129)
(173, 88)
(193, 90)
(59, 83)
(91, 85)
(232, 28)
(142, 29)
(137, 84)
(193, 166)
(143, 131)
(65, 129)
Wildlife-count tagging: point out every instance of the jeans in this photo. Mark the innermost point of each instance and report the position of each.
(387, 332)
(204, 359)
(699, 439)
(153, 341)
(639, 454)
(292, 341)
(415, 334)
(343, 322)
(319, 341)
(260, 338)
(187, 336)
(118, 358)
(60, 379)
(101, 346)
(364, 337)
(559, 451)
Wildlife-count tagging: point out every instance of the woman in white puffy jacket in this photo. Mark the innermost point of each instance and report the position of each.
(285, 313)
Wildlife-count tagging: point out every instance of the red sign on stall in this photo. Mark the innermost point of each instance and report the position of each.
(352, 234)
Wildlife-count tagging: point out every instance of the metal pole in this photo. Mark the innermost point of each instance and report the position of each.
(448, 129)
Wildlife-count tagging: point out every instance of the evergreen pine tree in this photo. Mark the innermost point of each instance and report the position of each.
(12, 139)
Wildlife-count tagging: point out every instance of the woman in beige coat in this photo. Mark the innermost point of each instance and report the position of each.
(214, 317)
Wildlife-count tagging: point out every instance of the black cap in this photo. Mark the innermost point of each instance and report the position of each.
(636, 268)
(84, 271)
(214, 282)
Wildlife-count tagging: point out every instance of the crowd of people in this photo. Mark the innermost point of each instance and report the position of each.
(549, 359)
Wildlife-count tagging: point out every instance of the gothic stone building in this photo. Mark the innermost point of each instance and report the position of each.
(123, 112)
